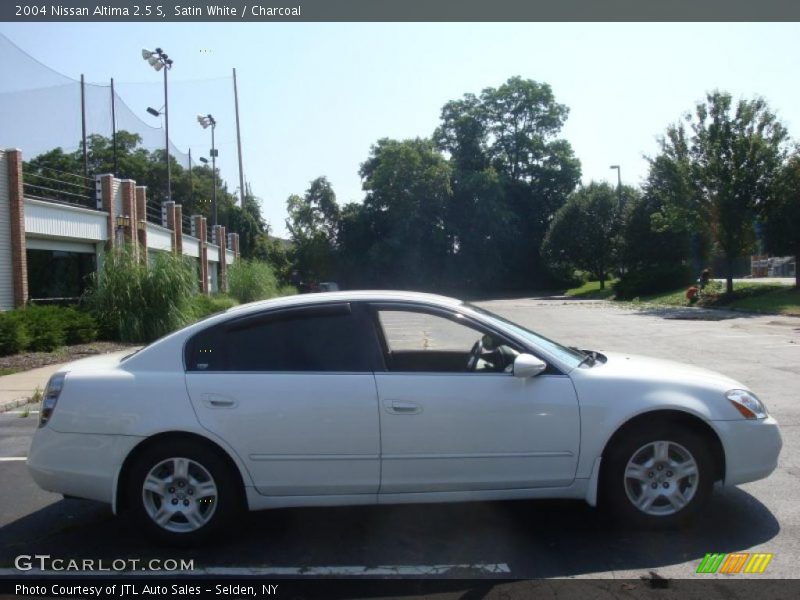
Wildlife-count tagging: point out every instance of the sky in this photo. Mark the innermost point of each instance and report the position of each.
(314, 97)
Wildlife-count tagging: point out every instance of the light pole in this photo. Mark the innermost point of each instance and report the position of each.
(620, 207)
(158, 59)
(619, 183)
(207, 121)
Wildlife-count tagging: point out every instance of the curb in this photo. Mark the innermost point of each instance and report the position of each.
(7, 405)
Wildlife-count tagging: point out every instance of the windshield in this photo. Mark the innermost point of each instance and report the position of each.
(569, 356)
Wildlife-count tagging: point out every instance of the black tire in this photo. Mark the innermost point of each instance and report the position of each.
(617, 492)
(224, 507)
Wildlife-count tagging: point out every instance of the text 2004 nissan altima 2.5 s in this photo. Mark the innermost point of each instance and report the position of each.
(386, 397)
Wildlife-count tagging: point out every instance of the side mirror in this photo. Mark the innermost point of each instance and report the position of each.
(526, 365)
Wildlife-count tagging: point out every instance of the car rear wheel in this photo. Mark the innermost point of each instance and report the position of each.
(182, 493)
(657, 476)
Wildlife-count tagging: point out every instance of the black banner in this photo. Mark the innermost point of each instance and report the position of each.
(335, 588)
(396, 10)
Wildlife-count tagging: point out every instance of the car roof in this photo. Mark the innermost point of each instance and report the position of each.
(347, 296)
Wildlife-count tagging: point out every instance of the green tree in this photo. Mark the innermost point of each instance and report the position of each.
(193, 190)
(645, 245)
(782, 214)
(716, 176)
(654, 257)
(313, 224)
(407, 186)
(249, 224)
(584, 232)
(356, 238)
(145, 167)
(511, 173)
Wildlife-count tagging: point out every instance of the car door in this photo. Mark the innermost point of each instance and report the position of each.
(444, 428)
(292, 391)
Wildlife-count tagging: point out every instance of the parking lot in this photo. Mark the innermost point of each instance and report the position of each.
(513, 540)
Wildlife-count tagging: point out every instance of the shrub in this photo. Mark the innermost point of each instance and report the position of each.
(79, 327)
(13, 337)
(642, 282)
(251, 280)
(45, 327)
(203, 306)
(136, 303)
(287, 290)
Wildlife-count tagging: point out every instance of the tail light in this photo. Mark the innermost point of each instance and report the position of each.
(50, 398)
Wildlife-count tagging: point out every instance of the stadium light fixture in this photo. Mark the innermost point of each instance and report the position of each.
(207, 121)
(158, 59)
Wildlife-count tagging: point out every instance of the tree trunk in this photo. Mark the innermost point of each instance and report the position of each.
(729, 276)
(797, 271)
(602, 279)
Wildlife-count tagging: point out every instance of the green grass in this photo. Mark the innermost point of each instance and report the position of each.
(591, 290)
(768, 298)
(674, 298)
(9, 371)
(756, 297)
(778, 299)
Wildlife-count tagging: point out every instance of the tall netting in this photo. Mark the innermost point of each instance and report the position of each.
(40, 109)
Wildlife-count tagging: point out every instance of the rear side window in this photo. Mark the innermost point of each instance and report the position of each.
(321, 339)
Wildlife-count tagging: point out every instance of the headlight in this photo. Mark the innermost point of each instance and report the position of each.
(747, 404)
(50, 397)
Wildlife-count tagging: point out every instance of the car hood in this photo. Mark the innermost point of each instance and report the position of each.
(632, 366)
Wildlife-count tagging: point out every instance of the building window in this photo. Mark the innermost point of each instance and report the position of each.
(56, 274)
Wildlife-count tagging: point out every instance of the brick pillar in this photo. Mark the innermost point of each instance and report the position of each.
(178, 229)
(128, 191)
(16, 217)
(106, 203)
(222, 284)
(201, 231)
(170, 210)
(141, 221)
(230, 243)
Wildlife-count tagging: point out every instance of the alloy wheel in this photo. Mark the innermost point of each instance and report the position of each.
(661, 478)
(179, 495)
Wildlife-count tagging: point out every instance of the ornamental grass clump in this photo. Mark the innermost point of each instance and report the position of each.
(134, 302)
(251, 280)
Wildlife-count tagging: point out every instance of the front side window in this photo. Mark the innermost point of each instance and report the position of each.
(569, 356)
(416, 341)
(319, 340)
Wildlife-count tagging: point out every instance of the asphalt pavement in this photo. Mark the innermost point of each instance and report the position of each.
(521, 539)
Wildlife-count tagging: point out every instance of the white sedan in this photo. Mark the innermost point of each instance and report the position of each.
(352, 398)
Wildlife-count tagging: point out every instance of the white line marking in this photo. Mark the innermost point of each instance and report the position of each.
(12, 458)
(383, 571)
(21, 412)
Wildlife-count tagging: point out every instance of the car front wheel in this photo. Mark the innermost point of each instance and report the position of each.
(182, 492)
(658, 476)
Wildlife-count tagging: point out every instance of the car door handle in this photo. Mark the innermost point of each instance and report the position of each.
(402, 407)
(218, 401)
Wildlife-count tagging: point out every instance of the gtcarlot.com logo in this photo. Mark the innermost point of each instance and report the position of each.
(735, 563)
(45, 562)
